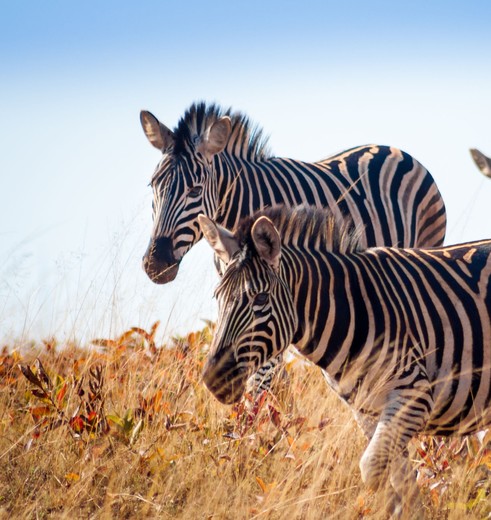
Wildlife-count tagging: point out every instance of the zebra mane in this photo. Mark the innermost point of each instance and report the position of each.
(247, 140)
(304, 226)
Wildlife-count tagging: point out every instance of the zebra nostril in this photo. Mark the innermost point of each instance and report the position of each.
(159, 254)
(162, 250)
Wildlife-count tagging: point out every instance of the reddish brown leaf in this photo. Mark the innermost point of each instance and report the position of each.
(192, 339)
(77, 424)
(128, 334)
(155, 400)
(262, 484)
(92, 417)
(38, 412)
(153, 329)
(61, 393)
(324, 422)
(42, 373)
(275, 416)
(41, 394)
(29, 374)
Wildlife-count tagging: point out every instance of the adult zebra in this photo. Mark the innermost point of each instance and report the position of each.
(482, 162)
(403, 335)
(217, 163)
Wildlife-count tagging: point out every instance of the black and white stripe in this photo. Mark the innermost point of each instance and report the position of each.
(403, 335)
(217, 163)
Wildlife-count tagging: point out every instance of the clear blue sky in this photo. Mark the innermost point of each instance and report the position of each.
(317, 76)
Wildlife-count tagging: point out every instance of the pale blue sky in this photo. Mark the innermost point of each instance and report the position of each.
(317, 76)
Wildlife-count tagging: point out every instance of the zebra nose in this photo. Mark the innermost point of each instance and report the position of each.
(225, 380)
(210, 371)
(159, 262)
(162, 251)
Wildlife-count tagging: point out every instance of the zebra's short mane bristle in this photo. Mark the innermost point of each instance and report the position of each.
(246, 141)
(305, 226)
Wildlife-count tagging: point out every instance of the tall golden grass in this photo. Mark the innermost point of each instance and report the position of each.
(127, 430)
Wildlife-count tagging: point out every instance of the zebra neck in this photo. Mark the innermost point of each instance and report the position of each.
(242, 189)
(245, 187)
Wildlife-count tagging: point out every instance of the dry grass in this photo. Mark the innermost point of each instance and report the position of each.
(143, 438)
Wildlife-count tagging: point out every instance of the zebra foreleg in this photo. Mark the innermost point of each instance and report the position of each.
(384, 460)
(380, 465)
(403, 482)
(261, 381)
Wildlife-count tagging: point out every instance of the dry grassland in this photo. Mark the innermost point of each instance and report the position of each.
(127, 430)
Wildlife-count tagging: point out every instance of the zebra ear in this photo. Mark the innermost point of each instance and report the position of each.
(220, 239)
(157, 133)
(216, 137)
(483, 162)
(267, 241)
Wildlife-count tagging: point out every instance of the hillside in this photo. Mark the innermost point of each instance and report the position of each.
(126, 429)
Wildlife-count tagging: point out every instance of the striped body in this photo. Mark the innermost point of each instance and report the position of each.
(403, 335)
(409, 314)
(217, 164)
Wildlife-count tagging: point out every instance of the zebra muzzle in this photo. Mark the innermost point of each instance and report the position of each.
(225, 380)
(159, 262)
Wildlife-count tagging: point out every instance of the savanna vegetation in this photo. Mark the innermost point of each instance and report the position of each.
(125, 429)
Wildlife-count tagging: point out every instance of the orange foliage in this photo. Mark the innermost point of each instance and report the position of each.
(137, 398)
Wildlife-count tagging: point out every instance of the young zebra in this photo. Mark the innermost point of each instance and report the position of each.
(403, 335)
(217, 163)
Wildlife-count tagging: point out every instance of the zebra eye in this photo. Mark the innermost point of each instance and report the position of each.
(195, 191)
(261, 299)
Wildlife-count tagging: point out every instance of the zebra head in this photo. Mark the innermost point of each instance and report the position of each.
(256, 319)
(183, 186)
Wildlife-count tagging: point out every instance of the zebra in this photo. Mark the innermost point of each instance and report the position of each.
(217, 162)
(403, 335)
(482, 162)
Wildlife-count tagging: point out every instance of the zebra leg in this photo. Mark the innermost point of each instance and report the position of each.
(262, 379)
(403, 482)
(367, 423)
(405, 415)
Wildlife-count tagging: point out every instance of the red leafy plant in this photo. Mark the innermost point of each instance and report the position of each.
(88, 419)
